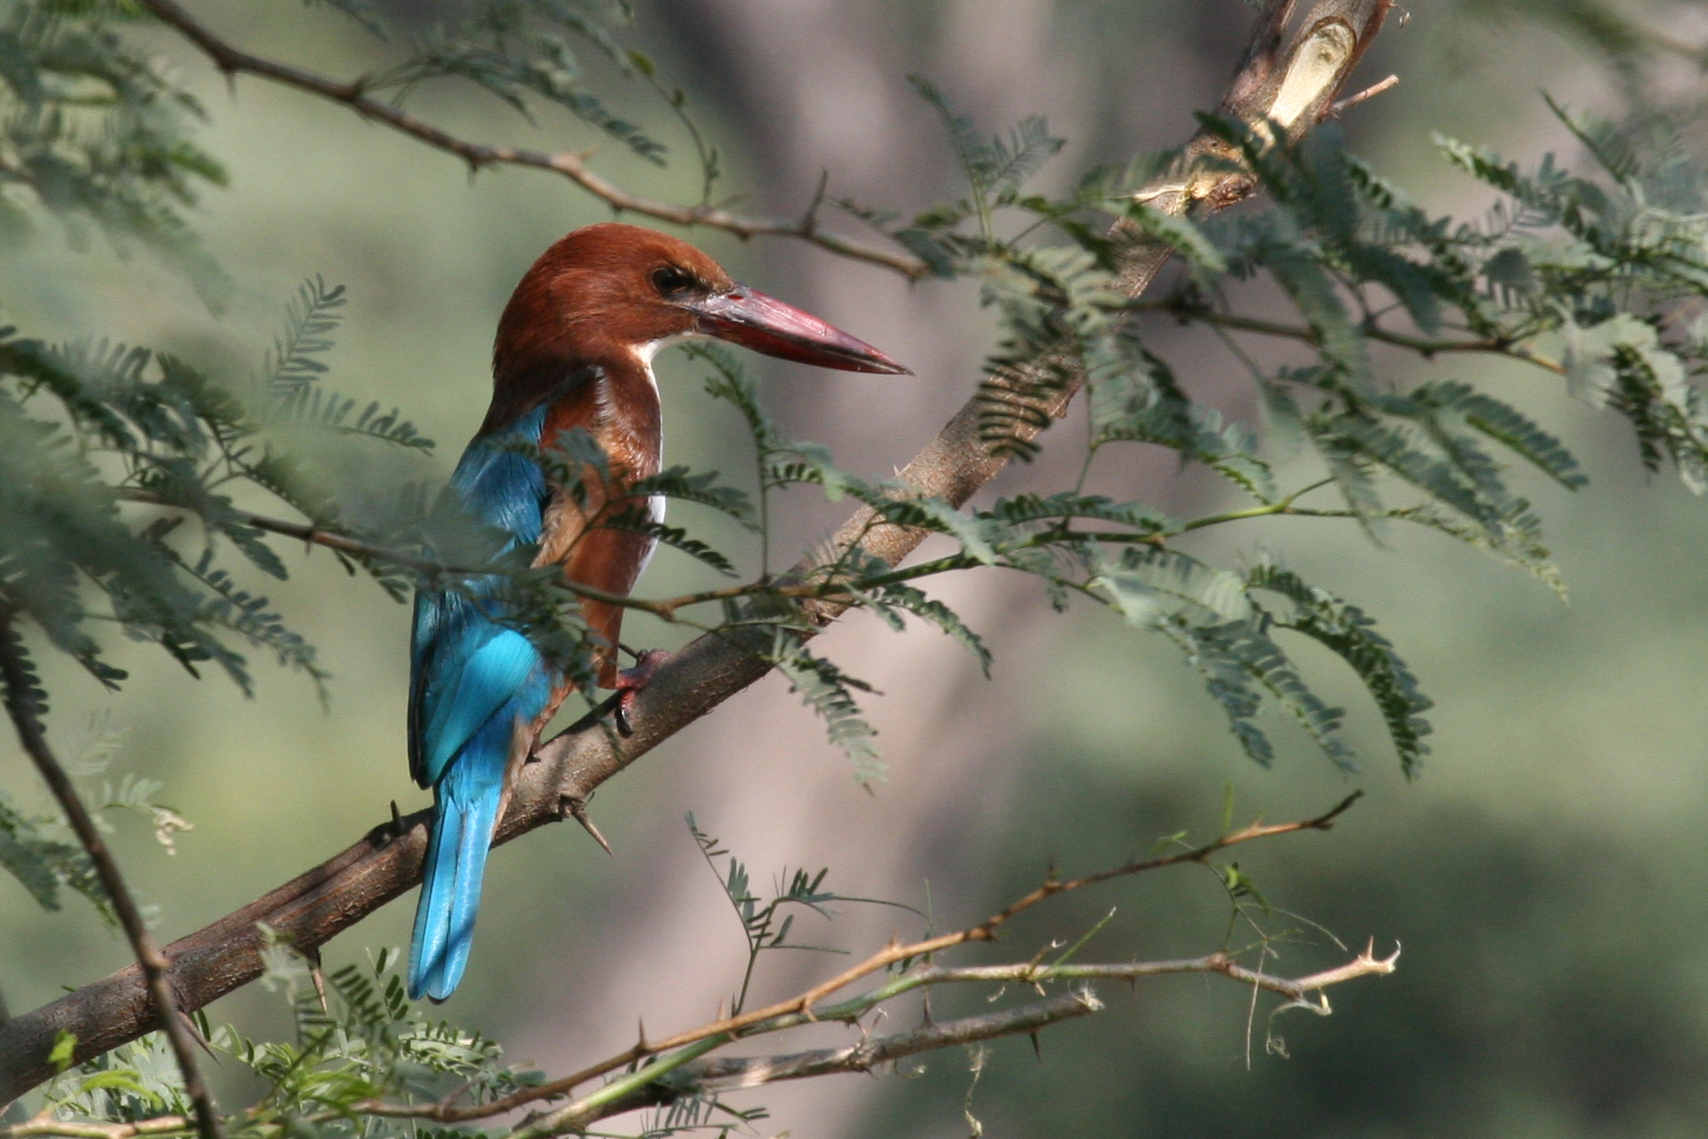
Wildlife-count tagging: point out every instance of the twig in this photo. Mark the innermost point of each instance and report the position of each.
(24, 708)
(686, 1074)
(1423, 345)
(231, 61)
(729, 1073)
(802, 1009)
(45, 1124)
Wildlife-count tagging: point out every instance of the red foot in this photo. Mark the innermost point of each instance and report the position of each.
(631, 680)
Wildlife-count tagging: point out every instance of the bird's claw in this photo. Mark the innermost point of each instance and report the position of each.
(631, 680)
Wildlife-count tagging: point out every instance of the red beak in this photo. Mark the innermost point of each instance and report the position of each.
(765, 324)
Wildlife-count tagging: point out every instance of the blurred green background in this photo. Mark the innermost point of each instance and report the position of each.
(1547, 877)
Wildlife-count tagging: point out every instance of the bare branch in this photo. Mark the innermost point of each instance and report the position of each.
(569, 164)
(806, 1009)
(22, 705)
(730, 1073)
(683, 1071)
(312, 908)
(45, 1124)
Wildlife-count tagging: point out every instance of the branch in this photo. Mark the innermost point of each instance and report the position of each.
(569, 164)
(805, 1008)
(731, 1073)
(684, 1071)
(1422, 345)
(46, 1124)
(986, 930)
(313, 907)
(24, 707)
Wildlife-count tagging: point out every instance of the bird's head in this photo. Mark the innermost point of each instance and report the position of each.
(612, 294)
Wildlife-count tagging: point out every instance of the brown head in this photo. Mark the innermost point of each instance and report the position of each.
(610, 294)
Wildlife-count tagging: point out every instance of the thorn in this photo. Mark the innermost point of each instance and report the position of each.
(319, 979)
(576, 807)
(640, 1044)
(1369, 92)
(1037, 1048)
(396, 821)
(196, 1035)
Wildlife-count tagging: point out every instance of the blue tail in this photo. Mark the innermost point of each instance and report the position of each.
(463, 813)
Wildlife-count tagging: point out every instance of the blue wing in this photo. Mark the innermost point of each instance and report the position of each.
(471, 680)
(464, 665)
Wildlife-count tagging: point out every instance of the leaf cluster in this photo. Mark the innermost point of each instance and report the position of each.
(89, 427)
(517, 49)
(97, 134)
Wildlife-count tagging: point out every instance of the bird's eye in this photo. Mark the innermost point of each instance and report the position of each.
(670, 279)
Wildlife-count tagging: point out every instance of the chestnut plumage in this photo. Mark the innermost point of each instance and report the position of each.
(574, 350)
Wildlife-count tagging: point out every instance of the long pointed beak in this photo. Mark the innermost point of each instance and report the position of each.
(765, 324)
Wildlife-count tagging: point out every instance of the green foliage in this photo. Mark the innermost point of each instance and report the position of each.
(97, 134)
(89, 427)
(45, 864)
(39, 849)
(513, 49)
(367, 1042)
(829, 692)
(765, 923)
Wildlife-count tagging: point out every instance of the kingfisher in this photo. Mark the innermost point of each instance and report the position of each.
(574, 350)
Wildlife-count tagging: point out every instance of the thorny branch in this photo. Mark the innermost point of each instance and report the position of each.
(569, 164)
(337, 894)
(23, 706)
(684, 1071)
(728, 1073)
(806, 1008)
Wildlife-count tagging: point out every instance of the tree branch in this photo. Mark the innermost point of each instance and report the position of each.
(23, 706)
(1424, 346)
(732, 1072)
(683, 1071)
(1320, 47)
(569, 164)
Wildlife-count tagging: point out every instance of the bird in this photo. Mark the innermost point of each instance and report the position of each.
(574, 349)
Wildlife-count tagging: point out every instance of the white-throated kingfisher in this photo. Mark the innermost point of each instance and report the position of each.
(574, 350)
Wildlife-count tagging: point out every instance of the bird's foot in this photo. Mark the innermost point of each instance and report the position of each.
(631, 680)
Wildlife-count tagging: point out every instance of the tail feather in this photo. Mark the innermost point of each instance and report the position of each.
(450, 887)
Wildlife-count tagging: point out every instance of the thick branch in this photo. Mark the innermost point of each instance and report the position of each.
(1323, 45)
(571, 165)
(22, 705)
